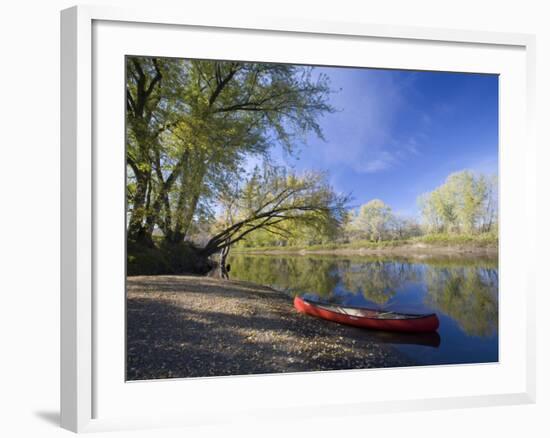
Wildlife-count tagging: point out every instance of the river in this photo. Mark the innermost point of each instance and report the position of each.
(462, 291)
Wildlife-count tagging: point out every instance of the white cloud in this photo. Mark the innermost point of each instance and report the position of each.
(376, 166)
(384, 160)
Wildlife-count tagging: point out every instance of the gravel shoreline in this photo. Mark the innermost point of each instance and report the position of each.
(188, 326)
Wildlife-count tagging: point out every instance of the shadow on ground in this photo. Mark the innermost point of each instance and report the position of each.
(197, 327)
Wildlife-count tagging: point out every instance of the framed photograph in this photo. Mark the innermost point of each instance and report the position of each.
(257, 209)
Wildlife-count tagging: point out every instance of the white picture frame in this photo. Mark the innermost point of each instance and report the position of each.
(85, 374)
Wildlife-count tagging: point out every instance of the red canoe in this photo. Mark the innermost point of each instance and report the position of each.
(369, 318)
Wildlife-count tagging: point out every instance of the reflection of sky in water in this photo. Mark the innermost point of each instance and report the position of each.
(462, 292)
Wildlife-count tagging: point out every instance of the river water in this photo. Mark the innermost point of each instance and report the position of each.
(462, 291)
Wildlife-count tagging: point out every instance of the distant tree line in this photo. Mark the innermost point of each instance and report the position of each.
(375, 221)
(466, 204)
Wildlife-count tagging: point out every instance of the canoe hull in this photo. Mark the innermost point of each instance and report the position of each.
(420, 324)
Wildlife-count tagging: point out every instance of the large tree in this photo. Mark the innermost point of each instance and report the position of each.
(191, 124)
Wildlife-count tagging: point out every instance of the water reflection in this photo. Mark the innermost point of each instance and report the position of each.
(376, 280)
(431, 339)
(462, 291)
(293, 274)
(466, 294)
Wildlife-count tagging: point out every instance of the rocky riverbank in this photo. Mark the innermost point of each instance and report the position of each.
(191, 326)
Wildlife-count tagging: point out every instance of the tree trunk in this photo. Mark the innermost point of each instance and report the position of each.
(136, 227)
(186, 206)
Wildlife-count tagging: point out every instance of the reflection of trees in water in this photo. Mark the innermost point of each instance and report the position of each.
(466, 291)
(467, 294)
(319, 276)
(377, 280)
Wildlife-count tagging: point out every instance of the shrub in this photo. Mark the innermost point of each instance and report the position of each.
(165, 258)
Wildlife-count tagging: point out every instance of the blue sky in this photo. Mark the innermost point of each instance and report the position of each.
(398, 134)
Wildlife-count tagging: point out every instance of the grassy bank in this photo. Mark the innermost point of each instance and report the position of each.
(438, 243)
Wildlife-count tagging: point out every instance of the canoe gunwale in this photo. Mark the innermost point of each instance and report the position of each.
(413, 324)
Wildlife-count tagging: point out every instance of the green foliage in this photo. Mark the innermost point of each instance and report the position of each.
(276, 203)
(465, 204)
(372, 220)
(191, 124)
(375, 221)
